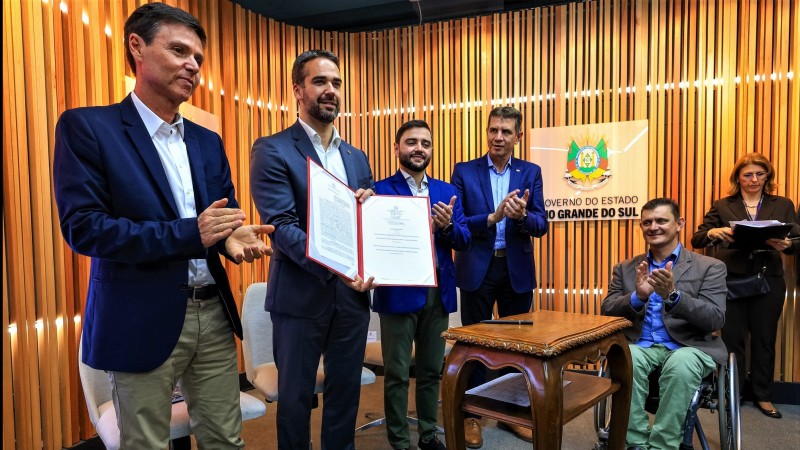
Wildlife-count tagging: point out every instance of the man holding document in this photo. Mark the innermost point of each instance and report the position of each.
(418, 315)
(314, 312)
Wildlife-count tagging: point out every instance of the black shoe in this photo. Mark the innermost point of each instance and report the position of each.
(773, 413)
(433, 444)
(635, 447)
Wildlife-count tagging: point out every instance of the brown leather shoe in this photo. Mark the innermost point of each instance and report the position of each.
(523, 433)
(472, 433)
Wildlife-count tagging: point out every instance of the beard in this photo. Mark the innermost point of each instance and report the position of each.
(315, 110)
(407, 162)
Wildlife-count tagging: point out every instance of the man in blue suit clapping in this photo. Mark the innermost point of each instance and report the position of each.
(418, 315)
(504, 206)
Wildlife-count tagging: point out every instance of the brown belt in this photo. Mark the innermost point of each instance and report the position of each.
(499, 253)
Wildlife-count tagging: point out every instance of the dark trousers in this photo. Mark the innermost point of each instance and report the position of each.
(758, 317)
(399, 332)
(340, 334)
(478, 305)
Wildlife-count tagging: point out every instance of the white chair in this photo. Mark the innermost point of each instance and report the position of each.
(259, 363)
(97, 390)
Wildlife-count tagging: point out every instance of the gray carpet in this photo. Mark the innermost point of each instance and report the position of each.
(759, 431)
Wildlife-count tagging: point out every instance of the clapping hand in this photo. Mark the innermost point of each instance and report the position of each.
(659, 281)
(217, 222)
(516, 207)
(244, 244)
(442, 214)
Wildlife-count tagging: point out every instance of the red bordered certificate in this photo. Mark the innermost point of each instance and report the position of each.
(387, 237)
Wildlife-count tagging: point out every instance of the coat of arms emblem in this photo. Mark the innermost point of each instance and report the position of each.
(587, 166)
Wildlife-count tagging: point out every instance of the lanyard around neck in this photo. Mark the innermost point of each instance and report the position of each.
(758, 208)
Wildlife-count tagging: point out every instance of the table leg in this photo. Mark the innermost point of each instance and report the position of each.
(546, 396)
(621, 370)
(454, 383)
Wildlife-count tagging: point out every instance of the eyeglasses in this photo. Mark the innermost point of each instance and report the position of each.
(756, 175)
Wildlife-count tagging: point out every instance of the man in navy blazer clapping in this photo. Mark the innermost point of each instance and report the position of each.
(418, 315)
(504, 206)
(148, 196)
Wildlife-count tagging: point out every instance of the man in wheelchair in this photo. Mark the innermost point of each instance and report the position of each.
(676, 300)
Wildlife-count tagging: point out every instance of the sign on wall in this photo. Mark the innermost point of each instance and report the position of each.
(592, 172)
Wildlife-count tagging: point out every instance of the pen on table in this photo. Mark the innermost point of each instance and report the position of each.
(508, 322)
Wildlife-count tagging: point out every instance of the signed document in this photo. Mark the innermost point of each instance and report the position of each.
(387, 237)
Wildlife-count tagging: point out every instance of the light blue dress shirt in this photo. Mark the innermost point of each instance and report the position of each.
(653, 329)
(500, 182)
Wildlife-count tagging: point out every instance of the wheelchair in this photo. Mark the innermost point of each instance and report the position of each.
(719, 392)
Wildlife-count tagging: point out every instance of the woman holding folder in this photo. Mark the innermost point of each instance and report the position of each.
(752, 180)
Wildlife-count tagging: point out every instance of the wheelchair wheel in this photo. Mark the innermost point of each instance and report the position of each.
(730, 425)
(602, 414)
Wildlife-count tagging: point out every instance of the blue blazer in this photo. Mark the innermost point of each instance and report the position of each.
(400, 300)
(297, 285)
(471, 180)
(115, 205)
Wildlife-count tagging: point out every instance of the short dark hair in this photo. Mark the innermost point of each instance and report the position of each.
(415, 123)
(299, 67)
(663, 201)
(507, 112)
(147, 19)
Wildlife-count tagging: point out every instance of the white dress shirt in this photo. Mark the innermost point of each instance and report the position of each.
(168, 140)
(330, 157)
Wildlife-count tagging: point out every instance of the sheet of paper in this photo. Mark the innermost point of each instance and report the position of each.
(756, 223)
(510, 388)
(397, 245)
(332, 222)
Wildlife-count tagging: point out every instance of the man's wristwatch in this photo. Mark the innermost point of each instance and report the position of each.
(448, 228)
(673, 297)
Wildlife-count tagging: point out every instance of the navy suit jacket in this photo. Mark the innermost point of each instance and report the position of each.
(474, 187)
(116, 206)
(297, 285)
(401, 299)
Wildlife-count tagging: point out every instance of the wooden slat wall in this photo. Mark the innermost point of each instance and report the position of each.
(715, 79)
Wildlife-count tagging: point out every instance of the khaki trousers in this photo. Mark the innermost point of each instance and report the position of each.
(205, 362)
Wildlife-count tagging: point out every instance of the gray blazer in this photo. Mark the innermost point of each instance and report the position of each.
(700, 311)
